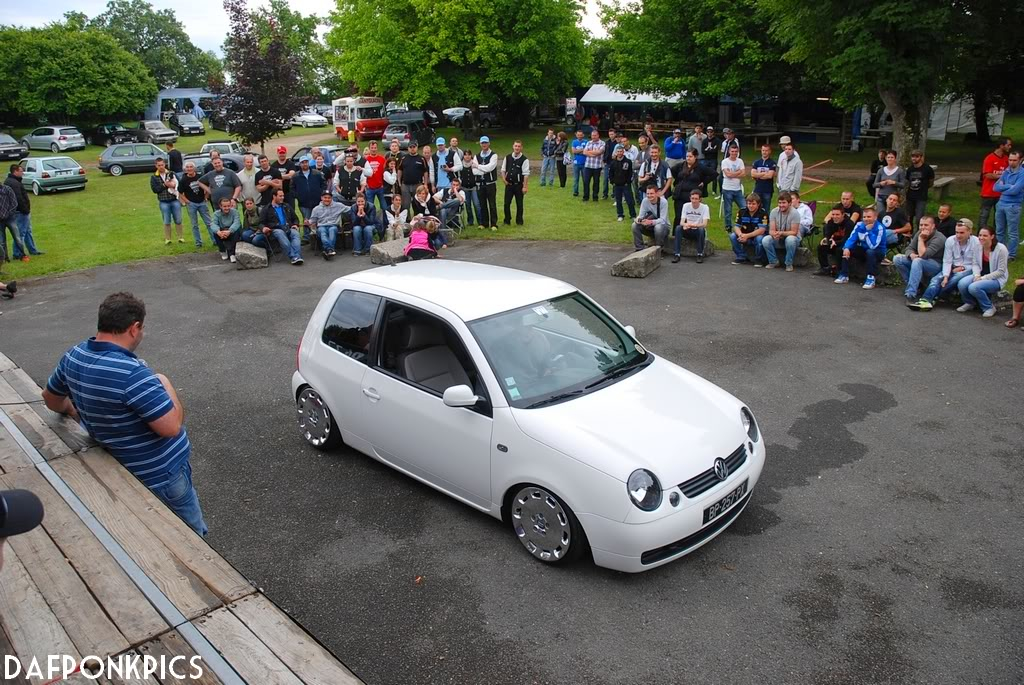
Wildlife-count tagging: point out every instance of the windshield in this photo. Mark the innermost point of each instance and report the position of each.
(187, 119)
(114, 128)
(6, 139)
(371, 112)
(555, 350)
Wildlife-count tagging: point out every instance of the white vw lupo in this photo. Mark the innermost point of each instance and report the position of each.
(522, 397)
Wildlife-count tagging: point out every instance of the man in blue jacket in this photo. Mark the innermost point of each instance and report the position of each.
(867, 242)
(308, 185)
(675, 149)
(1011, 187)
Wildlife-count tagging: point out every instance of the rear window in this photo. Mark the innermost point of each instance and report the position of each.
(396, 129)
(350, 325)
(59, 164)
(70, 132)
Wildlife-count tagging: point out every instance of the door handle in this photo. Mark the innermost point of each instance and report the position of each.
(371, 393)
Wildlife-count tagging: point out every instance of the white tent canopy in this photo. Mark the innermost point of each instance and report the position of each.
(600, 94)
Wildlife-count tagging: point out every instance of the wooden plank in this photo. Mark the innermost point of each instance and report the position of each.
(170, 645)
(184, 543)
(128, 608)
(34, 630)
(84, 620)
(23, 385)
(107, 503)
(37, 432)
(7, 649)
(6, 363)
(133, 679)
(306, 657)
(66, 428)
(12, 457)
(250, 658)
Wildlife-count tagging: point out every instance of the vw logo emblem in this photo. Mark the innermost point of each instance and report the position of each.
(721, 469)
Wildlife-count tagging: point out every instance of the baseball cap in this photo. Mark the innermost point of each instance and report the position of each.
(281, 148)
(307, 159)
(484, 139)
(966, 222)
(726, 130)
(710, 128)
(785, 140)
(617, 148)
(439, 141)
(20, 512)
(413, 143)
(678, 130)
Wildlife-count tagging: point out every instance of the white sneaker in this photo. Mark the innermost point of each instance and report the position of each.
(965, 308)
(620, 218)
(232, 259)
(224, 256)
(989, 313)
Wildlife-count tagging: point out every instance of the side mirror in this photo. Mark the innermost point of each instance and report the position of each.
(460, 396)
(631, 331)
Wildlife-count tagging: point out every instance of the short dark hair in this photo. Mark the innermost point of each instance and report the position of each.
(118, 312)
(263, 157)
(839, 206)
(15, 167)
(784, 195)
(696, 191)
(929, 217)
(1001, 141)
(224, 199)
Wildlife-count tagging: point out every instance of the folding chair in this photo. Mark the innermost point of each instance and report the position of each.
(808, 239)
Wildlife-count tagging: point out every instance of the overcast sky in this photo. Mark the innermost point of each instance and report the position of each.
(204, 20)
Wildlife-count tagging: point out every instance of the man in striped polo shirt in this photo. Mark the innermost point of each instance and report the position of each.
(133, 412)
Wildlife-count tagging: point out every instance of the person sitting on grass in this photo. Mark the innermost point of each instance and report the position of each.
(364, 220)
(960, 258)
(1018, 303)
(977, 291)
(278, 223)
(783, 231)
(922, 259)
(836, 229)
(395, 218)
(419, 241)
(751, 225)
(867, 242)
(227, 228)
(652, 220)
(325, 220)
(694, 226)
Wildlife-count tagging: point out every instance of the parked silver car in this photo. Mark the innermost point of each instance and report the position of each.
(153, 131)
(55, 139)
(44, 174)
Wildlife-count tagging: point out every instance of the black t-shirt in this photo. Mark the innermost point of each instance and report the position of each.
(413, 170)
(189, 187)
(897, 218)
(174, 162)
(947, 226)
(749, 223)
(283, 168)
(853, 209)
(267, 196)
(918, 180)
(839, 231)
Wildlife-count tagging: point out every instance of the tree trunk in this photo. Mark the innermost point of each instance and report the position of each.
(979, 97)
(909, 123)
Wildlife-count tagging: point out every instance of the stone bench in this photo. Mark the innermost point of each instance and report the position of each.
(687, 249)
(638, 264)
(943, 185)
(248, 256)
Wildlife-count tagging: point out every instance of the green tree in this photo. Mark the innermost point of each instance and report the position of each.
(600, 50)
(160, 41)
(889, 50)
(86, 76)
(300, 34)
(510, 54)
(264, 89)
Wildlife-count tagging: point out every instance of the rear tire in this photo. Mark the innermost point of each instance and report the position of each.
(116, 170)
(316, 423)
(35, 188)
(546, 526)
(54, 148)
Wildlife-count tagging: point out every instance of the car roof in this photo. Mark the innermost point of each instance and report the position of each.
(49, 157)
(469, 290)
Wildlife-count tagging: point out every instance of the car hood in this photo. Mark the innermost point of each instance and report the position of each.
(662, 418)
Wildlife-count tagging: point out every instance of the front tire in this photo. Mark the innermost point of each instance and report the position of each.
(116, 170)
(316, 423)
(546, 526)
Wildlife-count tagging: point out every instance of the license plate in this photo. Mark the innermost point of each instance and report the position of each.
(723, 505)
(65, 173)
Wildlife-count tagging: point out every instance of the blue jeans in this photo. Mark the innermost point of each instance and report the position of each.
(180, 497)
(437, 240)
(170, 210)
(289, 243)
(577, 171)
(740, 251)
(200, 209)
(977, 292)
(448, 210)
(362, 238)
(328, 236)
(698, 234)
(24, 222)
(914, 271)
(605, 183)
(379, 194)
(624, 193)
(11, 224)
(791, 242)
(547, 171)
(891, 237)
(472, 205)
(1008, 226)
(935, 288)
(729, 197)
(766, 200)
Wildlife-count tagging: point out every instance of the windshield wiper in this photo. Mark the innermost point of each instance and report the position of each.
(554, 398)
(617, 373)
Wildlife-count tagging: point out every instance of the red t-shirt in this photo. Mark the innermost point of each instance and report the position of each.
(377, 163)
(993, 164)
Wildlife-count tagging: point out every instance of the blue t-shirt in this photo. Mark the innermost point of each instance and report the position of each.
(577, 149)
(117, 396)
(280, 217)
(765, 185)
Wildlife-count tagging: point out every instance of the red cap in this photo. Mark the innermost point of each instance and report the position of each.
(281, 149)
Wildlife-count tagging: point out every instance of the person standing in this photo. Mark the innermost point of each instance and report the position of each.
(696, 141)
(654, 173)
(468, 182)
(606, 159)
(991, 169)
(448, 165)
(9, 222)
(548, 155)
(876, 164)
(268, 181)
(485, 166)
(790, 168)
(593, 165)
(562, 159)
(135, 413)
(219, 183)
(373, 172)
(579, 162)
(193, 196)
(308, 185)
(621, 173)
(890, 179)
(286, 167)
(411, 170)
(23, 214)
(920, 178)
(247, 176)
(763, 173)
(712, 146)
(732, 184)
(164, 185)
(687, 177)
(1010, 187)
(174, 159)
(515, 172)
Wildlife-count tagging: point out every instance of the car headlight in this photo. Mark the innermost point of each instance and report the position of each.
(749, 424)
(644, 489)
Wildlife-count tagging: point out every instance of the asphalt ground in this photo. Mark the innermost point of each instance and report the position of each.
(882, 544)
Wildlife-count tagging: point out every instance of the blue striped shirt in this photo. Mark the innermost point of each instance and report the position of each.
(117, 396)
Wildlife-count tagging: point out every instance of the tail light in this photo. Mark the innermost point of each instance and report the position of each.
(62, 138)
(46, 175)
(407, 136)
(81, 171)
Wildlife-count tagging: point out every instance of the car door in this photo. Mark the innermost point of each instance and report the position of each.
(37, 140)
(145, 156)
(29, 165)
(417, 357)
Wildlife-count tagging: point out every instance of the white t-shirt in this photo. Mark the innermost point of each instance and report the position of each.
(696, 215)
(732, 165)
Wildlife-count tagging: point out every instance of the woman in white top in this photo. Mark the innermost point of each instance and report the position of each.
(391, 187)
(889, 179)
(396, 218)
(977, 292)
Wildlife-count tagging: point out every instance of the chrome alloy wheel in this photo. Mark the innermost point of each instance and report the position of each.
(315, 421)
(541, 524)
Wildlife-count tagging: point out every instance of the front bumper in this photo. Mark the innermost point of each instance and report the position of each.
(621, 546)
(13, 154)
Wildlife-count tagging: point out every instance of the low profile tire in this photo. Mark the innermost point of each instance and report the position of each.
(116, 170)
(35, 188)
(546, 526)
(316, 423)
(54, 148)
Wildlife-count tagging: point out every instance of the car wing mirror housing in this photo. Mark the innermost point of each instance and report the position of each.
(631, 331)
(460, 396)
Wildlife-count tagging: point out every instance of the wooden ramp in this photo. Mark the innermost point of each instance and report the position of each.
(112, 571)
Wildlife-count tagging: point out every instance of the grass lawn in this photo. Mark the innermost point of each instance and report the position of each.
(117, 219)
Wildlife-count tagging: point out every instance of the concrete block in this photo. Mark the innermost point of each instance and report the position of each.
(250, 257)
(390, 252)
(638, 264)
